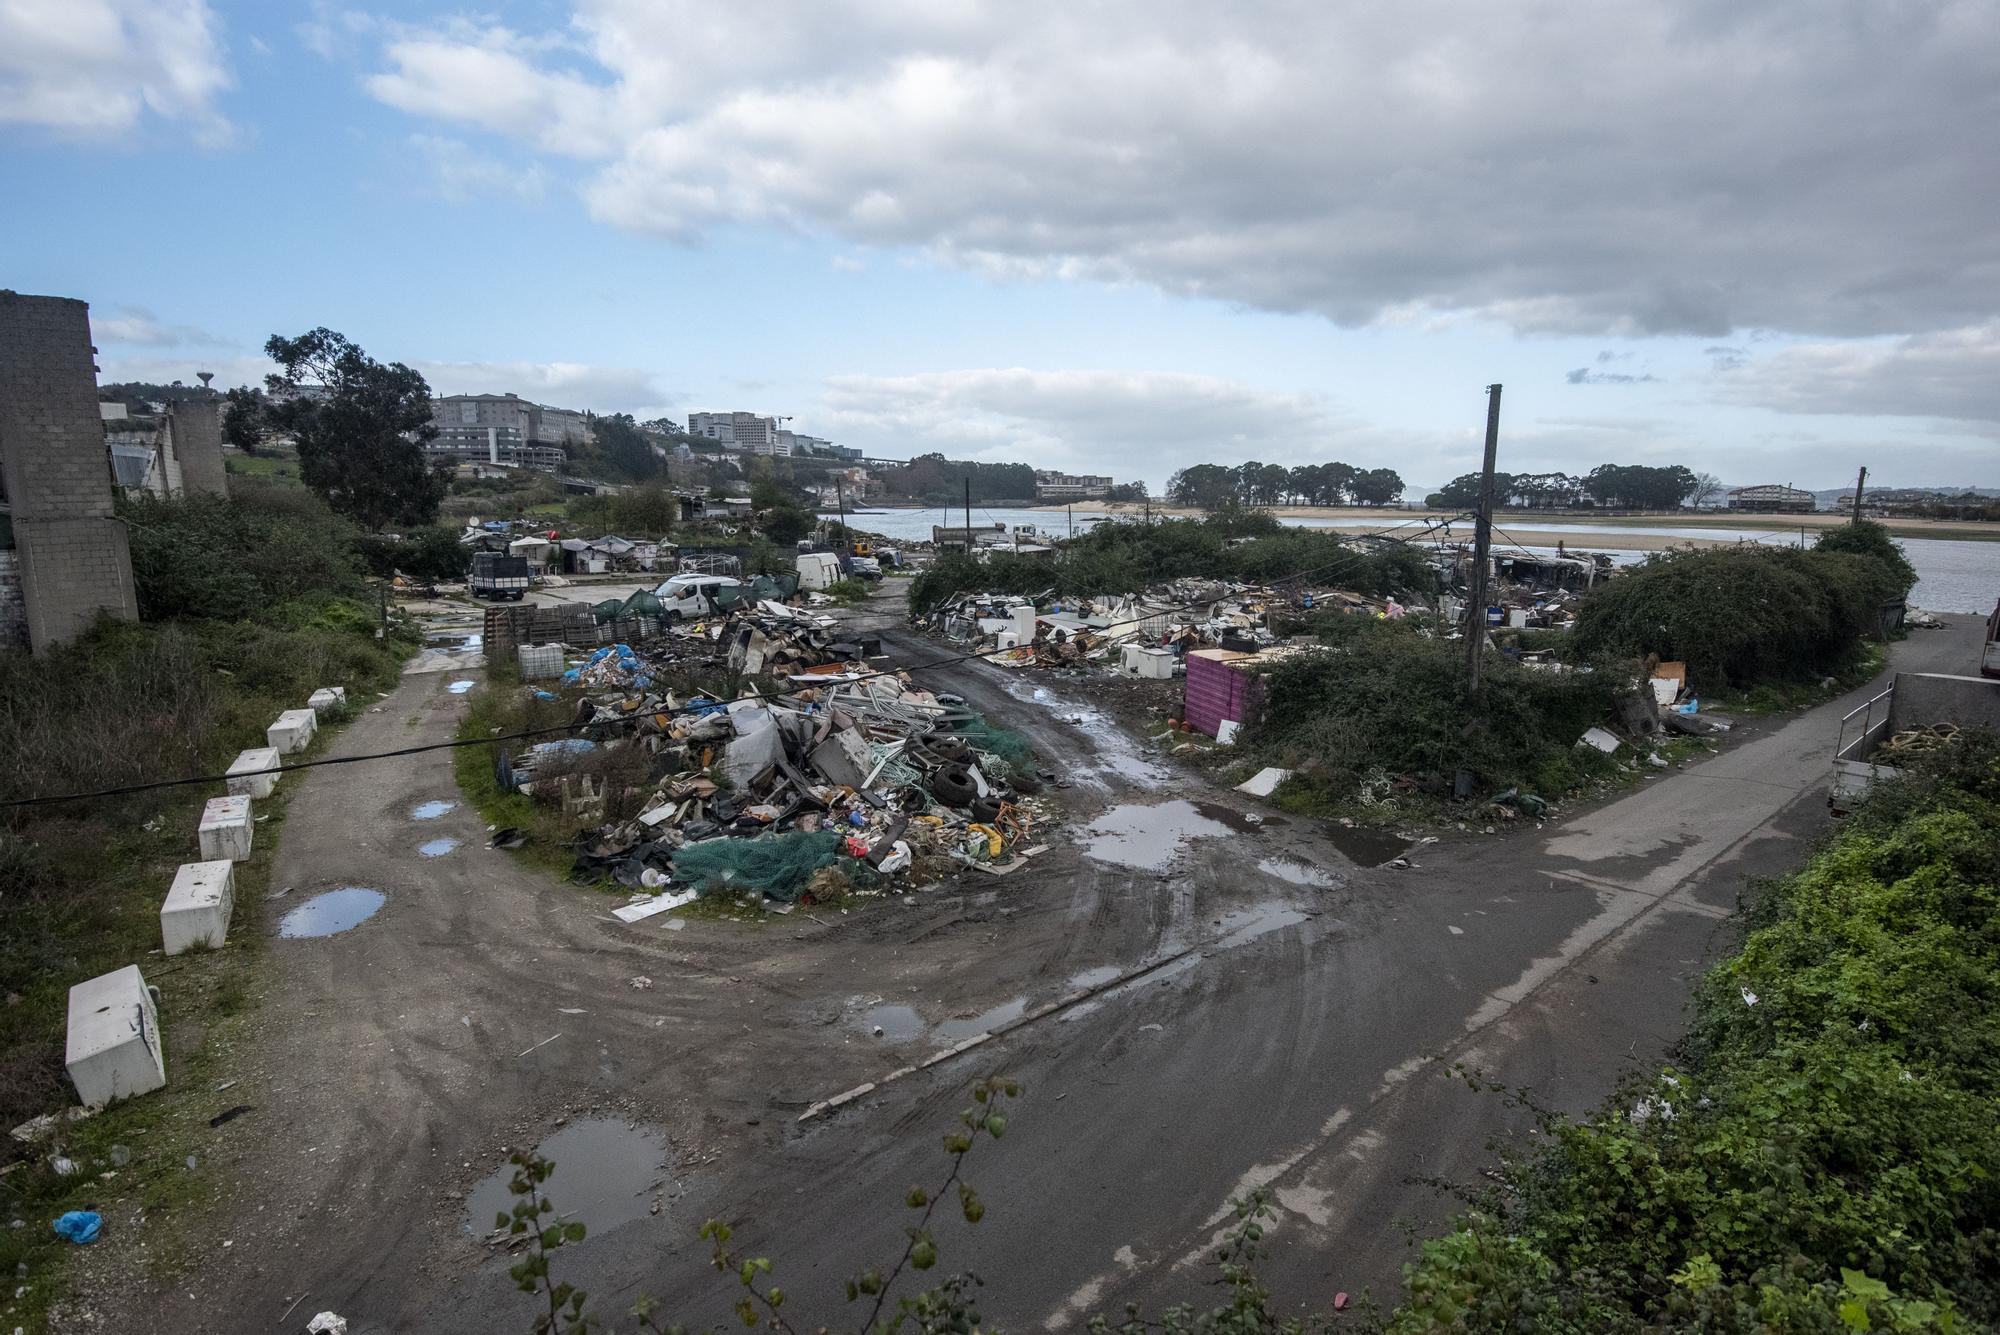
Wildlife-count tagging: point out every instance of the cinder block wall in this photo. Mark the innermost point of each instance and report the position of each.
(74, 561)
(197, 427)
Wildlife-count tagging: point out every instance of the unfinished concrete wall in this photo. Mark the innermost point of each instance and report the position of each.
(1937, 697)
(197, 430)
(73, 557)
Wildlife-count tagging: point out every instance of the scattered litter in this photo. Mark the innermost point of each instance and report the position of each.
(544, 1043)
(1264, 782)
(327, 1323)
(1602, 739)
(646, 908)
(79, 1226)
(640, 983)
(229, 1115)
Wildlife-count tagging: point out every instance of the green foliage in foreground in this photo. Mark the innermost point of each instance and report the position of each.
(1827, 1157)
(1383, 701)
(1740, 616)
(1116, 558)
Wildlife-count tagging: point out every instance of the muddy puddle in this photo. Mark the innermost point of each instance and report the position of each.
(1097, 977)
(431, 810)
(957, 1031)
(1297, 873)
(1150, 837)
(897, 1023)
(437, 848)
(1240, 927)
(1366, 848)
(331, 913)
(606, 1172)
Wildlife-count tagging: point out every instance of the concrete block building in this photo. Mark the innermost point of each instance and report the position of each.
(66, 558)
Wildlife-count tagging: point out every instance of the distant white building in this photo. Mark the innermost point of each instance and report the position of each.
(505, 429)
(751, 432)
(1773, 498)
(1052, 486)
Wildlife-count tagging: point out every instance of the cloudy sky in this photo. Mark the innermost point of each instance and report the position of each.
(1758, 239)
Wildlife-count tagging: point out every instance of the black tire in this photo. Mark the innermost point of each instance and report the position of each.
(951, 750)
(985, 810)
(953, 786)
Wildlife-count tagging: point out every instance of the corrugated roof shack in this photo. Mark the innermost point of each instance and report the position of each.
(1221, 688)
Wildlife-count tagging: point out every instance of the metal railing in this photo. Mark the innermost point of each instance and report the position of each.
(1869, 723)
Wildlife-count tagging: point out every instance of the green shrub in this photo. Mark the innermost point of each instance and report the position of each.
(1826, 1158)
(422, 553)
(1871, 539)
(1739, 617)
(210, 556)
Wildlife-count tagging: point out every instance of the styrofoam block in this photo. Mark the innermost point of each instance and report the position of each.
(198, 906)
(114, 1038)
(293, 730)
(225, 829)
(247, 776)
(325, 698)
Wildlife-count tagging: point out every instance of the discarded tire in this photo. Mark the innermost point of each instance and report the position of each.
(951, 749)
(985, 810)
(953, 786)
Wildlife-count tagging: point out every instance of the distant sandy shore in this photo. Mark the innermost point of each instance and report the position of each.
(1552, 527)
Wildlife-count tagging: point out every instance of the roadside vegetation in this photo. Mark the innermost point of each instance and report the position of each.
(248, 608)
(1822, 1157)
(1119, 558)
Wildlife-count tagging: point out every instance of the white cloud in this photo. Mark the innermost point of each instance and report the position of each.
(96, 68)
(603, 389)
(1953, 374)
(1662, 167)
(137, 325)
(462, 174)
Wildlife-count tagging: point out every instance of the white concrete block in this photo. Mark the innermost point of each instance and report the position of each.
(114, 1038)
(198, 906)
(246, 773)
(225, 829)
(293, 730)
(325, 698)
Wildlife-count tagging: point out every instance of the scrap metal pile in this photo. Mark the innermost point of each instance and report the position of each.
(823, 778)
(1143, 635)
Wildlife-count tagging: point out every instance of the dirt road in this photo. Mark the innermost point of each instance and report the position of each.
(483, 1007)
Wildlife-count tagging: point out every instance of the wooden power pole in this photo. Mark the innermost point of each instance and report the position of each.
(1482, 544)
(1859, 483)
(968, 514)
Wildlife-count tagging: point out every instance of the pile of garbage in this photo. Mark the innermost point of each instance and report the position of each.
(834, 778)
(1142, 635)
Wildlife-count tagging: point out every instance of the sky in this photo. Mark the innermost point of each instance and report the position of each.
(1123, 237)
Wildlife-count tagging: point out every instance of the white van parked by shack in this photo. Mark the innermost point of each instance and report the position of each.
(691, 596)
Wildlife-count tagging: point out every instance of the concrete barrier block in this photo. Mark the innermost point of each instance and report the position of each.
(225, 829)
(293, 731)
(325, 698)
(198, 906)
(247, 776)
(114, 1038)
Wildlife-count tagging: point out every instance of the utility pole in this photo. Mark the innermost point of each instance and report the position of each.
(1482, 545)
(968, 514)
(840, 500)
(1070, 515)
(1859, 483)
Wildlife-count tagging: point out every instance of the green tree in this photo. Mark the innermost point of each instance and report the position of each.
(623, 448)
(360, 428)
(243, 423)
(1871, 539)
(1377, 486)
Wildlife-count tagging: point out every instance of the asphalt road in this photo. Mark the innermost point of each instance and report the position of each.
(1299, 1041)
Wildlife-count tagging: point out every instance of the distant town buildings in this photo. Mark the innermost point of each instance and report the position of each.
(1773, 498)
(1051, 486)
(505, 429)
(757, 434)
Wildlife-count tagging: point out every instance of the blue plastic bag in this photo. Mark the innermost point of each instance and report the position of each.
(80, 1227)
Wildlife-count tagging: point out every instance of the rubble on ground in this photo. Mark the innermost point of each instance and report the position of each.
(824, 775)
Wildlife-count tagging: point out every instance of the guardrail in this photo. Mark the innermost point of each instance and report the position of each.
(1869, 726)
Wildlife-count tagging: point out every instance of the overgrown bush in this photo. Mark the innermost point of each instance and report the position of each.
(422, 553)
(1386, 701)
(1128, 558)
(236, 560)
(1826, 1159)
(1871, 539)
(1739, 616)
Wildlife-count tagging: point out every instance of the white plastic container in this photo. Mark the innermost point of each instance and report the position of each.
(539, 661)
(325, 698)
(248, 776)
(225, 830)
(114, 1038)
(198, 906)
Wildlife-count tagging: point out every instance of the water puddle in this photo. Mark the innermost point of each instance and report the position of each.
(897, 1023)
(1298, 873)
(1097, 977)
(431, 810)
(957, 1031)
(605, 1174)
(1149, 837)
(437, 848)
(1366, 848)
(331, 913)
(1242, 926)
(1118, 755)
(461, 687)
(1242, 822)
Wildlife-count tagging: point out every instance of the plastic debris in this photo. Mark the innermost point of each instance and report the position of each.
(80, 1227)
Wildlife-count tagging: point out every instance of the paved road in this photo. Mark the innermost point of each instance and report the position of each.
(1297, 1046)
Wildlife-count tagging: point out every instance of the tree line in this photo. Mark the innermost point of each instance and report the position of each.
(1635, 486)
(1216, 487)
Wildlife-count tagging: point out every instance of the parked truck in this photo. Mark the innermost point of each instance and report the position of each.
(1989, 659)
(498, 576)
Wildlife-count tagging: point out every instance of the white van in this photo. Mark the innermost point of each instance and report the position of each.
(692, 595)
